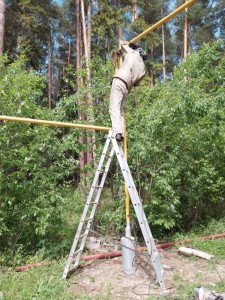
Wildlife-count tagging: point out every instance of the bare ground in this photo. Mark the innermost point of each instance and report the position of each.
(105, 277)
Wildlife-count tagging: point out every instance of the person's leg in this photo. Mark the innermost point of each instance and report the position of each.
(118, 90)
(122, 111)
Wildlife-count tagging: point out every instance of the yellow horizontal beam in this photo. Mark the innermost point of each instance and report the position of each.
(164, 20)
(53, 123)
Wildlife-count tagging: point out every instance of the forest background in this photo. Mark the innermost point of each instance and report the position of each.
(56, 64)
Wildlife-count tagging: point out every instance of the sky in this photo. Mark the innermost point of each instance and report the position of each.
(59, 2)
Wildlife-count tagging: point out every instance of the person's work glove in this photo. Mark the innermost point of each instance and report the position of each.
(134, 46)
(123, 42)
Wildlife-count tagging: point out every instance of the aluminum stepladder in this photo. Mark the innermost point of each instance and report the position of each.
(91, 205)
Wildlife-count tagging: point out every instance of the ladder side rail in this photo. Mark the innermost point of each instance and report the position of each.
(90, 195)
(93, 185)
(84, 238)
(137, 198)
(131, 189)
(129, 180)
(140, 215)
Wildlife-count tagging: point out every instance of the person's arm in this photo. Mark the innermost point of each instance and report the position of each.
(125, 47)
(138, 82)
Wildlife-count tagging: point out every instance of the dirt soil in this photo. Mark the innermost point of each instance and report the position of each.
(105, 277)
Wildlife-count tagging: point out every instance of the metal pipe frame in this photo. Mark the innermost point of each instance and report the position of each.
(53, 123)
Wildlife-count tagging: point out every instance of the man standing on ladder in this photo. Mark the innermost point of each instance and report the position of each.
(129, 75)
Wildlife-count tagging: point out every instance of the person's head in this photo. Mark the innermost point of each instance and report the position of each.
(138, 49)
(141, 52)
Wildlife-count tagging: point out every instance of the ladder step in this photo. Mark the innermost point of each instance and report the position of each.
(79, 250)
(88, 219)
(83, 235)
(94, 202)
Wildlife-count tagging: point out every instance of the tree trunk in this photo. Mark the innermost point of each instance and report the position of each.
(2, 25)
(79, 80)
(117, 56)
(185, 33)
(89, 29)
(78, 47)
(163, 49)
(152, 67)
(87, 50)
(69, 53)
(134, 11)
(68, 75)
(49, 72)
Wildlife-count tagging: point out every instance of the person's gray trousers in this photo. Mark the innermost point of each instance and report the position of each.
(118, 96)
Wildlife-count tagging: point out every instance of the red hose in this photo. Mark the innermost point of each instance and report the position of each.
(119, 252)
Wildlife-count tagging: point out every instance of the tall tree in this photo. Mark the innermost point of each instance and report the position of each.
(49, 71)
(51, 20)
(217, 16)
(134, 13)
(151, 12)
(185, 33)
(65, 54)
(27, 29)
(194, 27)
(107, 17)
(87, 50)
(79, 79)
(2, 25)
(163, 46)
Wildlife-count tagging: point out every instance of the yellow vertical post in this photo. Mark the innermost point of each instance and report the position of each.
(127, 198)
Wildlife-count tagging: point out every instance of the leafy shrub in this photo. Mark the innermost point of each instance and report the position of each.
(37, 162)
(176, 142)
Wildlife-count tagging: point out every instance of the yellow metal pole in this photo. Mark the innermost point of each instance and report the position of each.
(164, 20)
(127, 198)
(53, 123)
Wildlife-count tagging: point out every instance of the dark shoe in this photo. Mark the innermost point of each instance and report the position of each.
(119, 137)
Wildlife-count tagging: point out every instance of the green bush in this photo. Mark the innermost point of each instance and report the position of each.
(176, 142)
(37, 164)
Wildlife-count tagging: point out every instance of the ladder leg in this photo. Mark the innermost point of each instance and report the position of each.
(95, 203)
(140, 214)
(86, 208)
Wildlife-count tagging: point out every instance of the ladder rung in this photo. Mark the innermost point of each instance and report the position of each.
(83, 235)
(88, 219)
(79, 250)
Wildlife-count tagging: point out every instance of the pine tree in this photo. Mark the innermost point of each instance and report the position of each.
(218, 18)
(107, 18)
(200, 27)
(2, 25)
(28, 26)
(157, 43)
